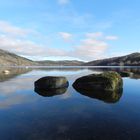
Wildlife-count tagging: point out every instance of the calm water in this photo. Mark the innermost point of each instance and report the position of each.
(27, 115)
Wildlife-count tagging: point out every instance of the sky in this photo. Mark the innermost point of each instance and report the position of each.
(70, 29)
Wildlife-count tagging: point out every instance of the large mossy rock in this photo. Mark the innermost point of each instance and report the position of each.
(107, 81)
(51, 82)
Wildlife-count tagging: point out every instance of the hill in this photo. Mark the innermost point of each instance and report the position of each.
(11, 59)
(60, 63)
(127, 60)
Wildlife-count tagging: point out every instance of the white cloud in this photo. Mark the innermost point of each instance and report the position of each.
(65, 36)
(27, 48)
(90, 49)
(92, 46)
(21, 47)
(63, 2)
(13, 39)
(8, 28)
(94, 35)
(111, 38)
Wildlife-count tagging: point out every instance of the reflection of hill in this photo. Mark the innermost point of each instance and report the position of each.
(106, 96)
(63, 69)
(13, 72)
(134, 70)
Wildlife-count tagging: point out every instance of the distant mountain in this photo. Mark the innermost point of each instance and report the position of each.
(11, 59)
(60, 63)
(127, 60)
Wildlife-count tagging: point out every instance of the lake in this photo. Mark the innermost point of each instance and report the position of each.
(69, 115)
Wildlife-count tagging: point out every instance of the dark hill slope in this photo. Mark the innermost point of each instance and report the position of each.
(128, 60)
(11, 59)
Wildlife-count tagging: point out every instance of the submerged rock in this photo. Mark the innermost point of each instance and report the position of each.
(51, 82)
(51, 86)
(107, 81)
(106, 96)
(50, 92)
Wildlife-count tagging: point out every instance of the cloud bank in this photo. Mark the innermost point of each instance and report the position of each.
(66, 36)
(10, 29)
(17, 40)
(111, 38)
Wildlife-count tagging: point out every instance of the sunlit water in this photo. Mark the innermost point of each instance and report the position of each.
(26, 115)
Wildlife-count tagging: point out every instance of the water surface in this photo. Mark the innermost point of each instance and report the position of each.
(70, 115)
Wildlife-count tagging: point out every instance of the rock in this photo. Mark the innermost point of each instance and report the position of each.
(107, 81)
(125, 74)
(50, 92)
(51, 82)
(6, 72)
(106, 96)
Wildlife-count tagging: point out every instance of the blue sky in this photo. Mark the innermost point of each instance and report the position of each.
(70, 29)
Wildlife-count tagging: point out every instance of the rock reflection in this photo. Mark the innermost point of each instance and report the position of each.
(50, 92)
(106, 96)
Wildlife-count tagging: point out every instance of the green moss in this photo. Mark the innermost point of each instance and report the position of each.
(113, 79)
